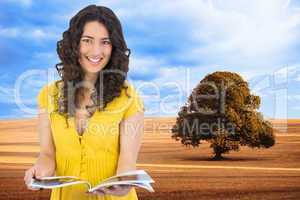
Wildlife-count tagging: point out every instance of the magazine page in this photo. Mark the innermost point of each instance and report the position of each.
(145, 185)
(59, 177)
(137, 175)
(57, 181)
(138, 178)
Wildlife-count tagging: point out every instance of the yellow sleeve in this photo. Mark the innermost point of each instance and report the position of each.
(42, 98)
(135, 103)
(47, 96)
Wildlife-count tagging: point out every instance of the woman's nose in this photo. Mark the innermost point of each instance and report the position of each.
(97, 49)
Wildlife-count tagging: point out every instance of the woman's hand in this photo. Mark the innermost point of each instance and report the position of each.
(43, 167)
(115, 190)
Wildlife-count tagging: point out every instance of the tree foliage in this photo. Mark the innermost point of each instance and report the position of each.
(222, 111)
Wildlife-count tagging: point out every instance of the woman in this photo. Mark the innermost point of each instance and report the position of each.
(91, 121)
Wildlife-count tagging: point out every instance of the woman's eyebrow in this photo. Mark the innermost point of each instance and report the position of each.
(88, 36)
(105, 38)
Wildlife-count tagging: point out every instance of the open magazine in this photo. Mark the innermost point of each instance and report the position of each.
(138, 178)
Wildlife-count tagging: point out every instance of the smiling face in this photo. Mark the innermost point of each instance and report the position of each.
(95, 47)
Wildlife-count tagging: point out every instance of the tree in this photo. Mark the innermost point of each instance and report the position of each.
(222, 111)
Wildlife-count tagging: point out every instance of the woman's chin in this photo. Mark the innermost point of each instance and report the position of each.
(93, 69)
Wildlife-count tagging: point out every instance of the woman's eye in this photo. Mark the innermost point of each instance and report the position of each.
(86, 41)
(106, 42)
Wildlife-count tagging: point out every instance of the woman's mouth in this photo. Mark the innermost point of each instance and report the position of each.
(94, 61)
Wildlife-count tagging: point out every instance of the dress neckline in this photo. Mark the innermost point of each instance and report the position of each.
(87, 127)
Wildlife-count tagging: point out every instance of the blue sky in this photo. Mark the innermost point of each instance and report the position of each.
(174, 45)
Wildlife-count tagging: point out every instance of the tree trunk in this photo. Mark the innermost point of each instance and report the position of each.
(218, 156)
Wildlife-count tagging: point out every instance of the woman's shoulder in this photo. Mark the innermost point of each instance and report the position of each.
(129, 90)
(131, 100)
(51, 88)
(48, 94)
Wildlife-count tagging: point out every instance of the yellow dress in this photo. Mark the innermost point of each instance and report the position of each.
(94, 155)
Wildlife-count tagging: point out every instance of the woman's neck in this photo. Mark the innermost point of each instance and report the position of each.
(90, 78)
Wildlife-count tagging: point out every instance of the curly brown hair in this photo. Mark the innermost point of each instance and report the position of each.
(111, 79)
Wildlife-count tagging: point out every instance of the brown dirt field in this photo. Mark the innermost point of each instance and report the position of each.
(179, 172)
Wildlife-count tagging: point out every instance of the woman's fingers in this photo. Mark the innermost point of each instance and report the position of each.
(99, 192)
(107, 190)
(36, 171)
(117, 190)
(32, 188)
(29, 174)
(39, 173)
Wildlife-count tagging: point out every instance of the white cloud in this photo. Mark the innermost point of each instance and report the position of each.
(145, 67)
(45, 56)
(16, 113)
(238, 32)
(9, 32)
(25, 88)
(6, 95)
(296, 107)
(34, 33)
(168, 90)
(25, 3)
(295, 97)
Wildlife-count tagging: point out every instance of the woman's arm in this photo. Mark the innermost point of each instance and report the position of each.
(47, 148)
(45, 164)
(131, 133)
